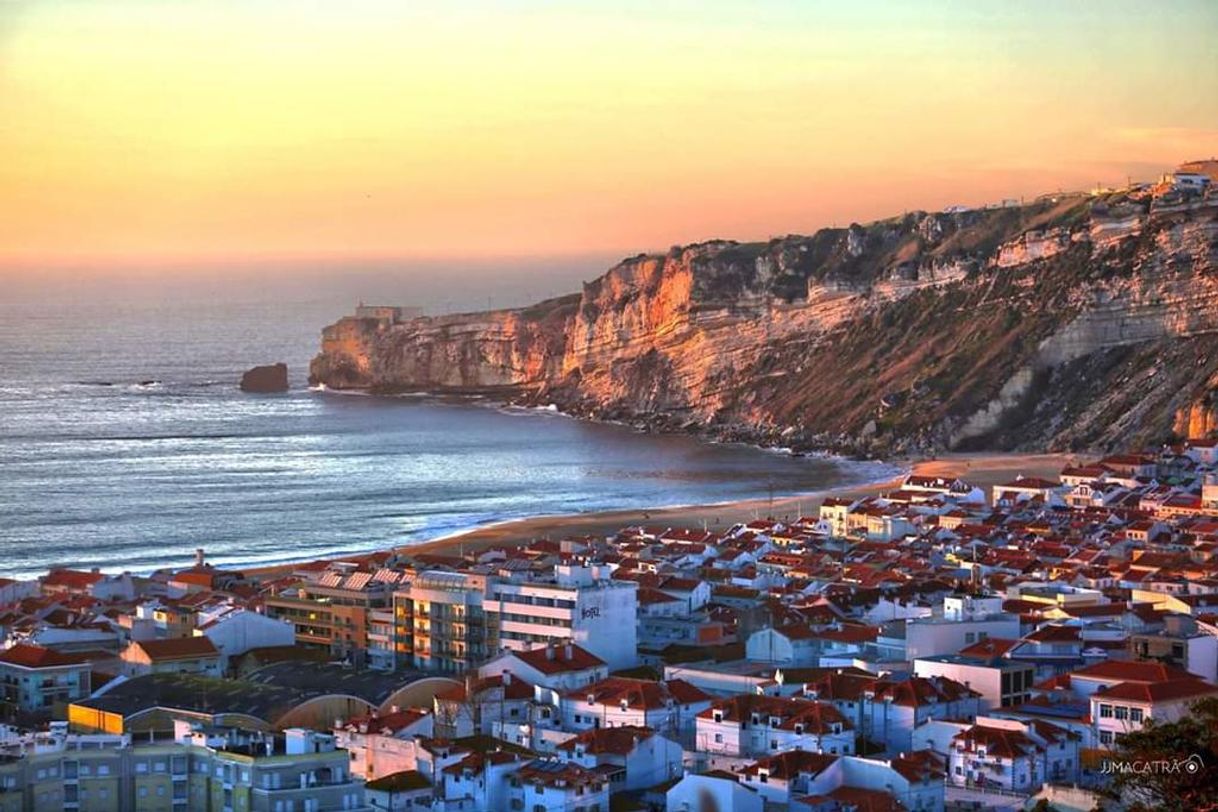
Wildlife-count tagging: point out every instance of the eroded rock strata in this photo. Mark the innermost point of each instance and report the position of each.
(1076, 322)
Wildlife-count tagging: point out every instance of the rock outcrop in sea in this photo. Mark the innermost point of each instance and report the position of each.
(266, 379)
(1073, 322)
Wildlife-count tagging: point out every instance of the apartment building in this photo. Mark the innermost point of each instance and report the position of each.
(35, 680)
(580, 605)
(450, 630)
(334, 613)
(1002, 683)
(217, 770)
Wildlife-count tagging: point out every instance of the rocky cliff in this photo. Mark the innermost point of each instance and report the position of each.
(1074, 322)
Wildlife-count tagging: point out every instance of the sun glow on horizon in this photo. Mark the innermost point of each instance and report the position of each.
(137, 131)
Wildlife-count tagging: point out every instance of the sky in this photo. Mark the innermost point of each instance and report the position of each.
(181, 134)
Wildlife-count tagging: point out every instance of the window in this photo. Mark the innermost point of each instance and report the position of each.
(1105, 711)
(718, 738)
(1135, 714)
(1105, 737)
(970, 637)
(1122, 712)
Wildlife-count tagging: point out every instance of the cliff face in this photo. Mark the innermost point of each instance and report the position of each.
(1069, 323)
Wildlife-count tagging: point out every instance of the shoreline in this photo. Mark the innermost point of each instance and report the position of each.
(983, 470)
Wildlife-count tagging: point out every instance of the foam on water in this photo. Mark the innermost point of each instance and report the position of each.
(125, 444)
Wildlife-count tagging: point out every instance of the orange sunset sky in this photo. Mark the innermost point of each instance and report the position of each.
(161, 131)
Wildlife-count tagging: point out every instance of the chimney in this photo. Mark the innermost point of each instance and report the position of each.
(198, 556)
(549, 652)
(566, 651)
(507, 678)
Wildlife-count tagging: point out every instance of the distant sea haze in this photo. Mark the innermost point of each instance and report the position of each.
(125, 444)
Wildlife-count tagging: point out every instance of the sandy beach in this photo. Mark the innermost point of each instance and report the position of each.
(983, 470)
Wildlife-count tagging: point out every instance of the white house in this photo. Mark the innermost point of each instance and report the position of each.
(407, 791)
(546, 785)
(1125, 707)
(383, 745)
(930, 637)
(1008, 754)
(752, 725)
(670, 707)
(915, 780)
(559, 667)
(886, 711)
(633, 757)
(712, 790)
(1001, 683)
(235, 631)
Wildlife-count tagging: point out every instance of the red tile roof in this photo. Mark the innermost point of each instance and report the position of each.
(71, 579)
(814, 717)
(791, 763)
(27, 656)
(388, 723)
(560, 659)
(1157, 691)
(1130, 671)
(178, 648)
(640, 694)
(616, 740)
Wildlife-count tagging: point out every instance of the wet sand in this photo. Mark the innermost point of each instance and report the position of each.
(982, 470)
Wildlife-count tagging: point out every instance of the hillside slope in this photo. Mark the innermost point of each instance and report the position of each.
(1070, 323)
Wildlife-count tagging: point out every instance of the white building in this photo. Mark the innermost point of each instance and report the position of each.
(633, 757)
(915, 780)
(1124, 708)
(560, 667)
(582, 606)
(383, 745)
(751, 725)
(714, 790)
(1006, 754)
(547, 785)
(886, 711)
(670, 707)
(1002, 683)
(235, 631)
(931, 637)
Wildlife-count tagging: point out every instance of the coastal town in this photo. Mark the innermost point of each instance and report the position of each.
(931, 645)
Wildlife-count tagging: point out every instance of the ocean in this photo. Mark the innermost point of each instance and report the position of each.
(125, 444)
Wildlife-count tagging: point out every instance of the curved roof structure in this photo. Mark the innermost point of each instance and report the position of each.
(283, 694)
